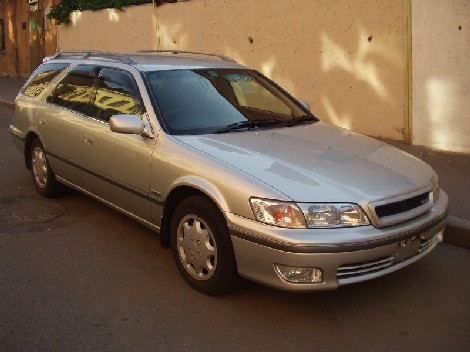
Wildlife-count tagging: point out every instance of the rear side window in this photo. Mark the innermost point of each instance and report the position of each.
(76, 90)
(41, 78)
(117, 93)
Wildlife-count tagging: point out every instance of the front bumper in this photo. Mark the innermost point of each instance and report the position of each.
(345, 256)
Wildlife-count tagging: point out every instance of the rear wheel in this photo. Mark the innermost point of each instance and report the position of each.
(202, 247)
(41, 172)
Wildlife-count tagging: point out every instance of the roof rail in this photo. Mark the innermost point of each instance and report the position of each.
(176, 52)
(94, 54)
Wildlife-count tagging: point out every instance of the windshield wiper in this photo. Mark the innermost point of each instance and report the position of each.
(298, 120)
(248, 124)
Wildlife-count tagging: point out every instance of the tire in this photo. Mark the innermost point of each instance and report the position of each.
(202, 247)
(41, 172)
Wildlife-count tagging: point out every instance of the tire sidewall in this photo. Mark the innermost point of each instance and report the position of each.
(50, 189)
(225, 277)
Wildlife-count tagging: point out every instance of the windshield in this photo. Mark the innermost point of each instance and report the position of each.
(210, 100)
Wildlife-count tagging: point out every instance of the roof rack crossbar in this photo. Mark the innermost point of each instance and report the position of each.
(127, 59)
(176, 52)
(96, 54)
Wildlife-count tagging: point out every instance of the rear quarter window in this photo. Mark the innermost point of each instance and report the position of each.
(41, 78)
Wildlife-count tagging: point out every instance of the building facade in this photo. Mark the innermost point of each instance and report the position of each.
(26, 35)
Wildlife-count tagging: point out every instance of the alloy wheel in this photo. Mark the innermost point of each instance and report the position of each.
(196, 247)
(39, 166)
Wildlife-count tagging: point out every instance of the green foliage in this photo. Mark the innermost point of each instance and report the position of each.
(61, 12)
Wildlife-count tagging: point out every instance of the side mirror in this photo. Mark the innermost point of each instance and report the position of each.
(128, 124)
(305, 104)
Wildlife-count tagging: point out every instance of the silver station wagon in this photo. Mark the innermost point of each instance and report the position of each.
(239, 179)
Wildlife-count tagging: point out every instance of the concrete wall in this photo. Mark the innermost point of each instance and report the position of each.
(441, 74)
(346, 58)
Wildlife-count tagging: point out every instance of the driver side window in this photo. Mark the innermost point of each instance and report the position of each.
(117, 93)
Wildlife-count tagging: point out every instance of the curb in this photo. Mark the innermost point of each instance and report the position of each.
(457, 232)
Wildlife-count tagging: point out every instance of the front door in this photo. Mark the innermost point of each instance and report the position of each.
(119, 164)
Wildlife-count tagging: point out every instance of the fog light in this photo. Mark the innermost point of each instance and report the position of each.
(298, 275)
(440, 236)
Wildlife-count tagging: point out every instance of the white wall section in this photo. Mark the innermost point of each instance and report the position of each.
(441, 74)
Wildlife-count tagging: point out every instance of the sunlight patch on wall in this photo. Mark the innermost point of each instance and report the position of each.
(267, 67)
(75, 17)
(343, 120)
(113, 16)
(358, 63)
(173, 37)
(441, 108)
(11, 32)
(49, 36)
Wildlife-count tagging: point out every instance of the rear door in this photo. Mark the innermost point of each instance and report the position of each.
(60, 119)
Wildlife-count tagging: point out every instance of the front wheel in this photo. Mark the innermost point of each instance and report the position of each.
(202, 247)
(41, 172)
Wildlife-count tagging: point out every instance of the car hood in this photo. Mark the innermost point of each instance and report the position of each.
(318, 162)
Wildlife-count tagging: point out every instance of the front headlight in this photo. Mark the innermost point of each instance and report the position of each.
(333, 215)
(307, 215)
(278, 213)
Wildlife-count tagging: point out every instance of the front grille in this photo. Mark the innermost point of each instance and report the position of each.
(402, 206)
(353, 272)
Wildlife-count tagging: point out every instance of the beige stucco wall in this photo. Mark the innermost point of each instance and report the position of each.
(441, 74)
(346, 58)
(110, 30)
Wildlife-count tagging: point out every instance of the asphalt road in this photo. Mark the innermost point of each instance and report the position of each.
(78, 276)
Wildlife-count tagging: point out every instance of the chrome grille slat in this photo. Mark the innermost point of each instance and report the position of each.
(364, 268)
(427, 244)
(363, 265)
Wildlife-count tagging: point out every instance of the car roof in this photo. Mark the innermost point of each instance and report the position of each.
(156, 60)
(166, 62)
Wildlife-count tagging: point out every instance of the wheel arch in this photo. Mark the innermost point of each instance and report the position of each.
(30, 137)
(181, 192)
